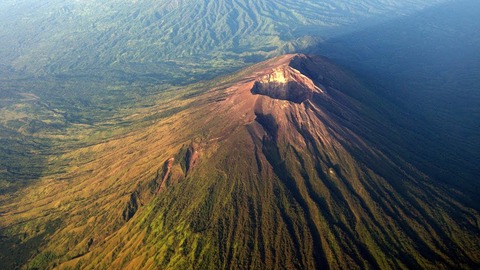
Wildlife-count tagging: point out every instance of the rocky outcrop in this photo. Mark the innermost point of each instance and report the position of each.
(191, 157)
(166, 171)
(131, 207)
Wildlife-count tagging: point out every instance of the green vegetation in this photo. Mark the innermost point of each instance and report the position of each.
(41, 118)
(183, 40)
(97, 97)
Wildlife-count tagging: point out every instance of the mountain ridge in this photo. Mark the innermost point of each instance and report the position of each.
(238, 179)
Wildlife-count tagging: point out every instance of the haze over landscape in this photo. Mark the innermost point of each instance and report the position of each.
(236, 134)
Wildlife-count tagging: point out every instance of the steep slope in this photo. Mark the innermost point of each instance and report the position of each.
(437, 79)
(276, 167)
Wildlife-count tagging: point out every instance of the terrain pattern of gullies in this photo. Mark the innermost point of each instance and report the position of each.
(279, 166)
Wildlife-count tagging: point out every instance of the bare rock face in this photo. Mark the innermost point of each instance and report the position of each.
(285, 83)
(191, 156)
(166, 172)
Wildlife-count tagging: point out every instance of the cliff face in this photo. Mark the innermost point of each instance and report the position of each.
(277, 167)
(286, 83)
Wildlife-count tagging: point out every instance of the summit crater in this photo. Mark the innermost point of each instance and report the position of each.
(286, 83)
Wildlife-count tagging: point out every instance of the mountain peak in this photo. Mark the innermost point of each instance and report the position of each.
(285, 83)
(280, 148)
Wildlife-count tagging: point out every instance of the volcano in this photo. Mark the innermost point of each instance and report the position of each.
(279, 166)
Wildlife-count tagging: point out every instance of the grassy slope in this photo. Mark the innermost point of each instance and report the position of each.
(78, 147)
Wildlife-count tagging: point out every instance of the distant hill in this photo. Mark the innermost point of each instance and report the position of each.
(166, 37)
